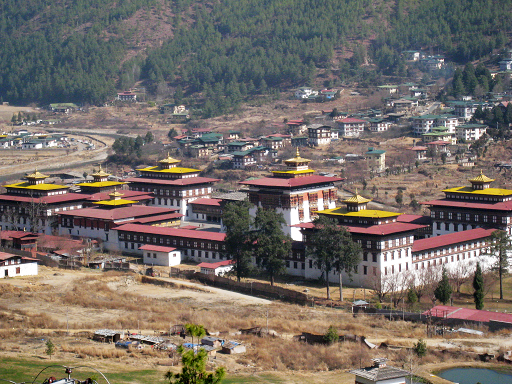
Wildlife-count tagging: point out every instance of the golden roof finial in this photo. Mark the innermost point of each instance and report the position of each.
(297, 155)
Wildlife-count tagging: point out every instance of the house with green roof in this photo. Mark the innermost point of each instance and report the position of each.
(376, 160)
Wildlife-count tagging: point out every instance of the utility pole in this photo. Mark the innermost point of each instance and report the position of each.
(267, 321)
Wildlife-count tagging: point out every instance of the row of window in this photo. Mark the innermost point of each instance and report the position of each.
(169, 241)
(469, 217)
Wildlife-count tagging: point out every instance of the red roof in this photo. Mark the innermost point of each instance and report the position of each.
(279, 135)
(501, 206)
(8, 235)
(216, 265)
(352, 120)
(156, 248)
(6, 256)
(134, 211)
(205, 201)
(177, 232)
(293, 182)
(415, 219)
(468, 314)
(186, 181)
(418, 148)
(127, 194)
(451, 238)
(381, 230)
(153, 219)
(55, 199)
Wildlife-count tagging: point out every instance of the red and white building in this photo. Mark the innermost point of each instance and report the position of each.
(295, 192)
(319, 135)
(219, 268)
(14, 265)
(127, 96)
(194, 244)
(478, 206)
(351, 127)
(33, 204)
(172, 186)
(160, 255)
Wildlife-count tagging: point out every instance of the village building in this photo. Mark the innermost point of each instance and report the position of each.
(305, 93)
(379, 125)
(200, 151)
(420, 152)
(319, 134)
(412, 55)
(466, 109)
(376, 160)
(33, 204)
(477, 206)
(440, 134)
(295, 192)
(239, 146)
(273, 142)
(252, 157)
(127, 96)
(299, 141)
(380, 373)
(296, 127)
(172, 186)
(160, 255)
(63, 107)
(15, 265)
(470, 132)
(351, 127)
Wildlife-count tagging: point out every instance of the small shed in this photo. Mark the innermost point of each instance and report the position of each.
(160, 255)
(212, 341)
(232, 348)
(218, 269)
(107, 335)
(380, 373)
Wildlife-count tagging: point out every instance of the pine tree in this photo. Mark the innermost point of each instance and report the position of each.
(50, 348)
(443, 291)
(478, 286)
(499, 248)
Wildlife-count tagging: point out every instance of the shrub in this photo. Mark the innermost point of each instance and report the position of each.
(420, 348)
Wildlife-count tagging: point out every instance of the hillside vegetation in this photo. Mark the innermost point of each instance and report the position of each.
(228, 50)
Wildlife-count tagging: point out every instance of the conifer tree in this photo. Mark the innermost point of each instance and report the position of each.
(443, 291)
(478, 286)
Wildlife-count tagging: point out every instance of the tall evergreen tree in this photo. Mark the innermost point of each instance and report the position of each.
(499, 248)
(443, 291)
(332, 249)
(271, 245)
(238, 222)
(478, 286)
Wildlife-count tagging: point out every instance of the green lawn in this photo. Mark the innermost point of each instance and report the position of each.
(20, 370)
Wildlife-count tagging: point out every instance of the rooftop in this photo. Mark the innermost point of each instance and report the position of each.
(217, 264)
(451, 239)
(487, 191)
(39, 187)
(134, 211)
(156, 248)
(179, 170)
(368, 213)
(177, 232)
(447, 311)
(277, 182)
(187, 181)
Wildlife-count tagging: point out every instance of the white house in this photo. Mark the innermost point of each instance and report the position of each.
(470, 132)
(160, 255)
(218, 269)
(14, 265)
(305, 92)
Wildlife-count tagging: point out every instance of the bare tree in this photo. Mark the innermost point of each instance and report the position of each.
(426, 281)
(379, 286)
(399, 284)
(460, 274)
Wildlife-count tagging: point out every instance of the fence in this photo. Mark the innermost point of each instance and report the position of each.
(254, 288)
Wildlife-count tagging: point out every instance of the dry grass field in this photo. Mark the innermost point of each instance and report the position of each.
(67, 306)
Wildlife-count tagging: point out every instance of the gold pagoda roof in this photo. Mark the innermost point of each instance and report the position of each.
(100, 173)
(36, 175)
(297, 159)
(169, 160)
(116, 194)
(357, 199)
(481, 178)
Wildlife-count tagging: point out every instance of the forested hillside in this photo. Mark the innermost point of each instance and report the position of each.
(229, 49)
